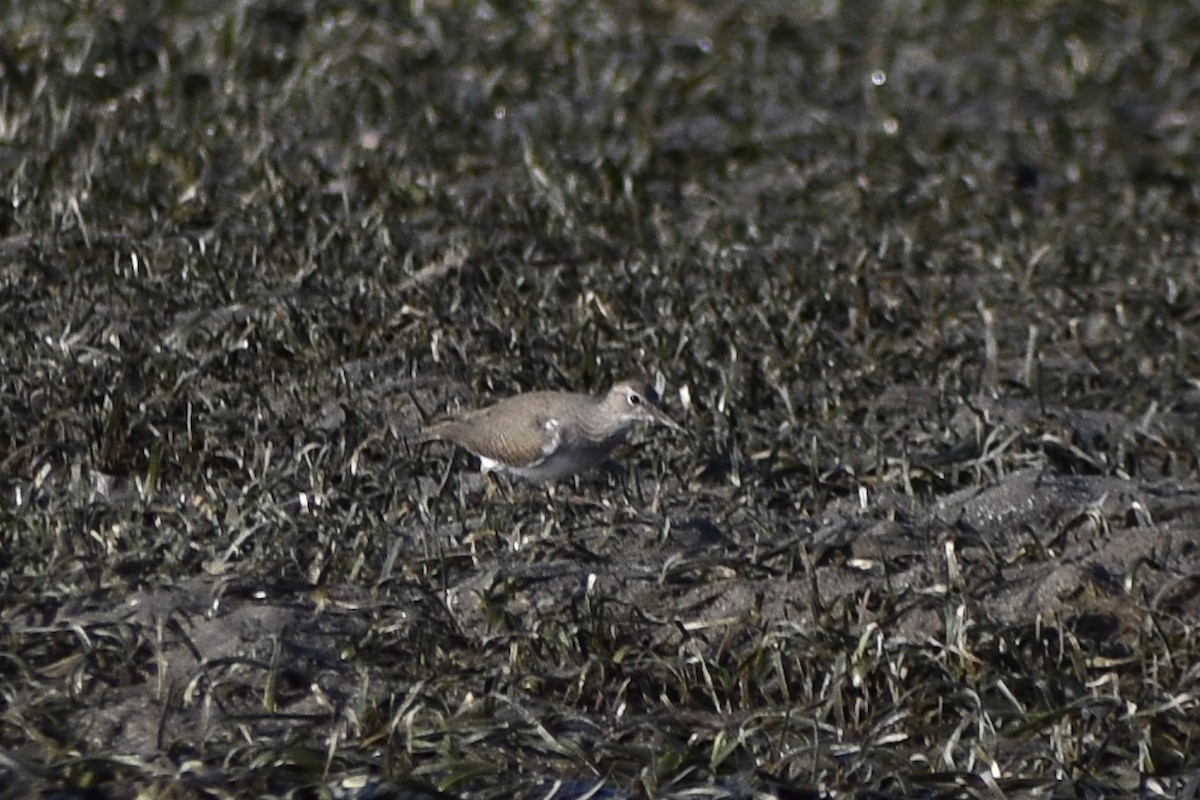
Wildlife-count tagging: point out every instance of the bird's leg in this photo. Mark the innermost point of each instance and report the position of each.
(491, 484)
(560, 501)
(618, 471)
(549, 489)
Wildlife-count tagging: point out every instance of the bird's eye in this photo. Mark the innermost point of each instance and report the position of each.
(635, 399)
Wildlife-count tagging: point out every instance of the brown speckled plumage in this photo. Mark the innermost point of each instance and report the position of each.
(547, 436)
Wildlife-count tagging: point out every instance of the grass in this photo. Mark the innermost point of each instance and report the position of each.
(919, 278)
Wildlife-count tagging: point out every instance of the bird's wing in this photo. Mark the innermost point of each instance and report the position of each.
(522, 441)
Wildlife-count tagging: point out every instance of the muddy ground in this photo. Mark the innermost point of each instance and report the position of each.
(919, 279)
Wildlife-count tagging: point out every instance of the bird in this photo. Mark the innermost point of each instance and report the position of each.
(548, 436)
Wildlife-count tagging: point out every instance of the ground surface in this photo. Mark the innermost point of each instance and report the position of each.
(921, 281)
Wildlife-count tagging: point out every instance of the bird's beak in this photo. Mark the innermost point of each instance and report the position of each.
(660, 416)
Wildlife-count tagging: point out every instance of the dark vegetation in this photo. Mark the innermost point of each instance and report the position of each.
(921, 278)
